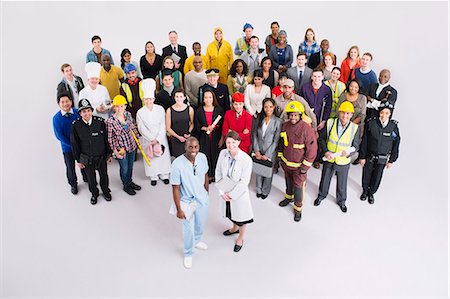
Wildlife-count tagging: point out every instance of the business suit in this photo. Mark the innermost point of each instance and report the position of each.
(181, 51)
(292, 73)
(266, 144)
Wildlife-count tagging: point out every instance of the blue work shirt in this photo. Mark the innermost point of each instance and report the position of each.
(190, 177)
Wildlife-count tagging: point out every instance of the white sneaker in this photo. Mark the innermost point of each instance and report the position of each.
(201, 245)
(187, 262)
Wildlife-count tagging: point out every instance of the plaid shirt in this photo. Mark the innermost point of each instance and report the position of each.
(119, 136)
(309, 50)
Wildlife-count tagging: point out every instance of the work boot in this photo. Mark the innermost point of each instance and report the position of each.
(297, 216)
(285, 202)
(297, 213)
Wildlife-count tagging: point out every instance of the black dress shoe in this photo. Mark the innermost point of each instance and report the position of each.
(228, 233)
(317, 201)
(166, 181)
(371, 199)
(93, 200)
(85, 180)
(153, 183)
(263, 196)
(135, 187)
(363, 196)
(343, 208)
(237, 247)
(74, 189)
(129, 190)
(107, 196)
(258, 195)
(285, 202)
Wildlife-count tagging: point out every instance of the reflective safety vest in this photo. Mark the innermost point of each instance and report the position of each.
(129, 95)
(336, 144)
(241, 43)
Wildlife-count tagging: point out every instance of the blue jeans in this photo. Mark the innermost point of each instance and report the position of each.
(126, 168)
(193, 229)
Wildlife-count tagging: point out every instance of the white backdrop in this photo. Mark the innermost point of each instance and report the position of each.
(39, 227)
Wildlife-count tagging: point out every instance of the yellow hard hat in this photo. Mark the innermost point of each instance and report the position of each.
(346, 107)
(119, 100)
(295, 106)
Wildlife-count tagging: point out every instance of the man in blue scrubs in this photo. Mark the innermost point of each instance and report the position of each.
(190, 185)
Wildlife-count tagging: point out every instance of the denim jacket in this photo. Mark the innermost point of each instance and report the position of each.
(91, 57)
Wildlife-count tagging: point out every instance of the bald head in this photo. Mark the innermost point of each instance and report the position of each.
(198, 63)
(385, 76)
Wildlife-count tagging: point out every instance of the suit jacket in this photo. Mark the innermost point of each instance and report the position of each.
(267, 144)
(292, 73)
(168, 51)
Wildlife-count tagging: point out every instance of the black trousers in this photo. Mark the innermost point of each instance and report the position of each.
(372, 174)
(69, 160)
(99, 164)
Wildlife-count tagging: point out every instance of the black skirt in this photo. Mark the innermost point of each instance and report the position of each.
(228, 214)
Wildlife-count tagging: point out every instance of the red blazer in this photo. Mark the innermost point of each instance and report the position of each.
(345, 70)
(239, 125)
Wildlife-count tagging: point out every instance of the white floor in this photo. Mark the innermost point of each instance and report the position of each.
(54, 244)
(59, 245)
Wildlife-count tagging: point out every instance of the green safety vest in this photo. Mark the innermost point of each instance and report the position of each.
(129, 95)
(336, 144)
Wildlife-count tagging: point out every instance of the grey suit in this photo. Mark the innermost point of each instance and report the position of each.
(292, 73)
(267, 145)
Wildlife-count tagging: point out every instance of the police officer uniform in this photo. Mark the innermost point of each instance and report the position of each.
(379, 146)
(90, 147)
(297, 150)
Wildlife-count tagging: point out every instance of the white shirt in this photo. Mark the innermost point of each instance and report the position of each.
(384, 124)
(88, 122)
(63, 113)
(73, 87)
(264, 126)
(253, 100)
(380, 88)
(96, 97)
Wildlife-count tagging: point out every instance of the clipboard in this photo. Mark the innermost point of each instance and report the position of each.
(225, 184)
(176, 58)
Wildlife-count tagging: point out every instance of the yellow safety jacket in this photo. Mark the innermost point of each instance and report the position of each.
(129, 95)
(336, 144)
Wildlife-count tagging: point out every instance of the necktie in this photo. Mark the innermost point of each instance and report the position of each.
(300, 77)
(68, 114)
(174, 49)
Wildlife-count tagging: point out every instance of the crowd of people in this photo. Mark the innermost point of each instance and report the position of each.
(215, 118)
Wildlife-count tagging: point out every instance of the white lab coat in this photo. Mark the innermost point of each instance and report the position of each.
(241, 207)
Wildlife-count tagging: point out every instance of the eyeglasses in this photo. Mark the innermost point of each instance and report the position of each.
(195, 169)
